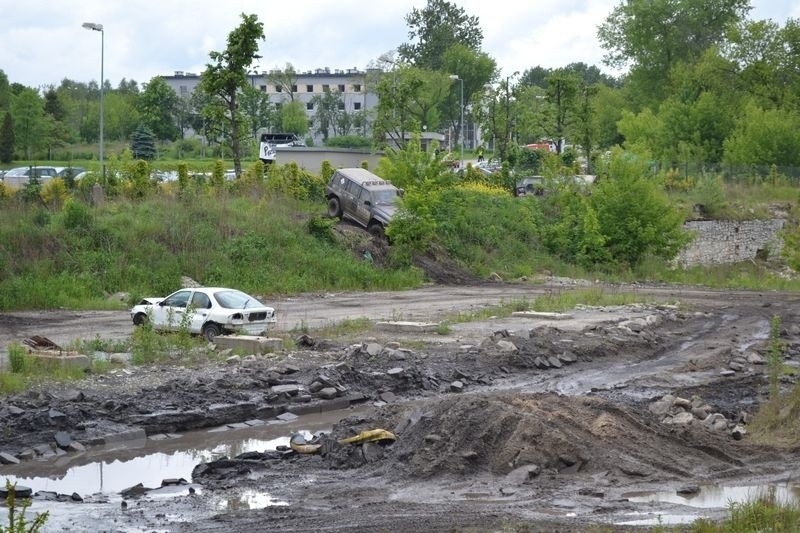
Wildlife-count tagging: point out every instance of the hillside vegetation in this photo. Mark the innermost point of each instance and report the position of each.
(267, 234)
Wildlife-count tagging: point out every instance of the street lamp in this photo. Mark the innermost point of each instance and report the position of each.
(99, 27)
(461, 128)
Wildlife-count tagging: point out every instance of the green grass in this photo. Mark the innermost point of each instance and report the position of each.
(27, 370)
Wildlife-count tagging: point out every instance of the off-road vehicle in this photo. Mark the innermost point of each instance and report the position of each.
(362, 197)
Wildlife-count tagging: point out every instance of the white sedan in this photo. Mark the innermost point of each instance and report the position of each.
(206, 311)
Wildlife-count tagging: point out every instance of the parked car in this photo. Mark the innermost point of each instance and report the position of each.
(206, 311)
(20, 176)
(530, 186)
(359, 195)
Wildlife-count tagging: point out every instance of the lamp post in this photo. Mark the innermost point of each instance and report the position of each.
(99, 27)
(461, 123)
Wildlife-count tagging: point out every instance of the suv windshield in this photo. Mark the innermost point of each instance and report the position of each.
(384, 197)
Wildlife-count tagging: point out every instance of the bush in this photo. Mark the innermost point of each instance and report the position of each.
(348, 141)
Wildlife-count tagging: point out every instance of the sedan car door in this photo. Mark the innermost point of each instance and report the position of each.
(200, 308)
(169, 313)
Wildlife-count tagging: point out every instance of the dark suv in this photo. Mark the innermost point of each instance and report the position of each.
(359, 195)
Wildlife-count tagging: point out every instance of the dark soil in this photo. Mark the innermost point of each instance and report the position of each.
(514, 424)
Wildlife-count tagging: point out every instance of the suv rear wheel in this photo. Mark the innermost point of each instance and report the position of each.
(334, 207)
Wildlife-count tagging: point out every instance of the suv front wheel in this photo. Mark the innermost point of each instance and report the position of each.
(377, 231)
(334, 207)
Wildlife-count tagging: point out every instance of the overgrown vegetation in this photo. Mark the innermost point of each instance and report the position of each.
(778, 419)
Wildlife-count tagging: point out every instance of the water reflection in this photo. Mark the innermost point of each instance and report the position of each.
(248, 500)
(150, 462)
(713, 496)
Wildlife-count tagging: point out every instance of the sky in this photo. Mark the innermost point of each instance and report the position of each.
(42, 41)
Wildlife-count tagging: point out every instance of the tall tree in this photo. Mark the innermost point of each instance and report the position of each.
(293, 118)
(475, 69)
(7, 139)
(30, 125)
(158, 106)
(651, 36)
(285, 79)
(437, 27)
(226, 76)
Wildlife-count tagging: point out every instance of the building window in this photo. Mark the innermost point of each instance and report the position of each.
(294, 88)
(341, 88)
(357, 88)
(184, 90)
(356, 105)
(310, 106)
(263, 88)
(309, 88)
(341, 106)
(278, 89)
(326, 88)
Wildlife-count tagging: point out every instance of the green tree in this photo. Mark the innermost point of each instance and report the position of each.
(293, 118)
(226, 76)
(765, 137)
(562, 95)
(436, 28)
(158, 107)
(143, 143)
(652, 36)
(5, 91)
(635, 216)
(7, 139)
(257, 110)
(30, 125)
(328, 107)
(475, 69)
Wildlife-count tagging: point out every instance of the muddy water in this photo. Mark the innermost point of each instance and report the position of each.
(714, 496)
(107, 471)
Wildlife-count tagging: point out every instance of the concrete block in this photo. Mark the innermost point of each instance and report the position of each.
(541, 314)
(407, 327)
(65, 359)
(250, 344)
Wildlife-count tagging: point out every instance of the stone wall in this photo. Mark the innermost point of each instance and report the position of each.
(728, 241)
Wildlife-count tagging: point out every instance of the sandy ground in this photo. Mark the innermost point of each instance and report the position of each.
(519, 423)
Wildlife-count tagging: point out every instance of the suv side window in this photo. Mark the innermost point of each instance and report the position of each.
(353, 188)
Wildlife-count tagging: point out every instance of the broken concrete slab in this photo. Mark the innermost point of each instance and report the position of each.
(542, 314)
(407, 327)
(251, 344)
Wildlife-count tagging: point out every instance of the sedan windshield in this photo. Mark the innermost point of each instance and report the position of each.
(236, 300)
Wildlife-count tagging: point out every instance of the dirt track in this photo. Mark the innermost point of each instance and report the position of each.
(552, 434)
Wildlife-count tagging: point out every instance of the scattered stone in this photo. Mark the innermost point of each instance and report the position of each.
(700, 413)
(72, 395)
(56, 416)
(596, 493)
(328, 393)
(660, 408)
(568, 358)
(688, 489)
(305, 341)
(680, 419)
(433, 437)
(136, 490)
(470, 455)
(388, 397)
(233, 360)
(727, 373)
(373, 349)
(396, 371)
(63, 439)
(20, 491)
(541, 362)
(315, 387)
(738, 432)
(290, 390)
(507, 347)
(287, 417)
(754, 358)
(8, 459)
(507, 491)
(523, 474)
(13, 410)
(736, 367)
(372, 452)
(683, 403)
(716, 422)
(457, 386)
(554, 362)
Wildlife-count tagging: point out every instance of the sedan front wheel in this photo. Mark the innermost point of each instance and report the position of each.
(210, 332)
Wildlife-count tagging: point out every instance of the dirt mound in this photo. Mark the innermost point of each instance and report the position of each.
(442, 269)
(538, 433)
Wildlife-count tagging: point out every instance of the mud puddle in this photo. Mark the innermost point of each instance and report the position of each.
(717, 496)
(99, 475)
